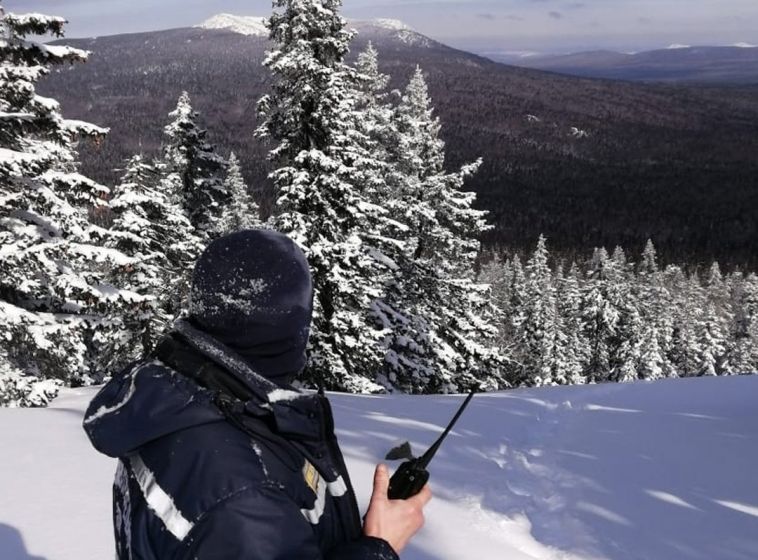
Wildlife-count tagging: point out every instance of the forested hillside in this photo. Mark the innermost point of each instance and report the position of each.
(586, 162)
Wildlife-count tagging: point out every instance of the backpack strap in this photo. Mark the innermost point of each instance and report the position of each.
(172, 350)
(230, 396)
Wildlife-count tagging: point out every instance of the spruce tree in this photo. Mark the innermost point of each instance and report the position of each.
(538, 335)
(651, 361)
(712, 343)
(498, 275)
(600, 316)
(324, 199)
(200, 169)
(685, 345)
(445, 327)
(574, 350)
(625, 345)
(742, 347)
(151, 226)
(656, 303)
(57, 309)
(241, 212)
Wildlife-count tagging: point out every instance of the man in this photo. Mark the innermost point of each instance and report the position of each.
(219, 457)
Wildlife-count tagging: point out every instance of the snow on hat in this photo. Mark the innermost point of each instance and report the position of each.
(252, 291)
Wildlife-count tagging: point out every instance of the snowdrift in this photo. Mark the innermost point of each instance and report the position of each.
(656, 471)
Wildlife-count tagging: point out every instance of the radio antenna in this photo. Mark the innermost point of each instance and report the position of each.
(426, 458)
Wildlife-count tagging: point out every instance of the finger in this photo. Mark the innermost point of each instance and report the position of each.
(423, 497)
(381, 482)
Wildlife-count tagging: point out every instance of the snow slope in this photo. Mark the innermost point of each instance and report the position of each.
(245, 25)
(661, 471)
(255, 26)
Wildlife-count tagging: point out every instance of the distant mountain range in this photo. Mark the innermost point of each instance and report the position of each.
(736, 64)
(384, 28)
(587, 162)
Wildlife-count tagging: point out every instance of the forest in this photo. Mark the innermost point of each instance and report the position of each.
(93, 272)
(588, 163)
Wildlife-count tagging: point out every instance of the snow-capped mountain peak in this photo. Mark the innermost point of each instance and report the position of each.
(744, 45)
(394, 24)
(245, 25)
(256, 26)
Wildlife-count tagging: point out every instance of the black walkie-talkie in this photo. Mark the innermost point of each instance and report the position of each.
(411, 476)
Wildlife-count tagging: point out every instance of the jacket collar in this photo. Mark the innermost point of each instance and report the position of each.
(296, 414)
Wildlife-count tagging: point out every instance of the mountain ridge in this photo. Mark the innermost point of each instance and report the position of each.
(733, 64)
(256, 26)
(586, 162)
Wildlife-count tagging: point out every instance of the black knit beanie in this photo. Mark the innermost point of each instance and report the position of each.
(252, 291)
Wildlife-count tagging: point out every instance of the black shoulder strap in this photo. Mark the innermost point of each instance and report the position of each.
(230, 394)
(182, 357)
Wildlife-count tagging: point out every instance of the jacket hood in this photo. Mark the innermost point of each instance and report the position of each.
(144, 402)
(148, 399)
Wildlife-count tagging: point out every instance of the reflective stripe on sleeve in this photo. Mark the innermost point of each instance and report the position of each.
(158, 500)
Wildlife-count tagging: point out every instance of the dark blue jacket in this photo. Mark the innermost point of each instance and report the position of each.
(217, 462)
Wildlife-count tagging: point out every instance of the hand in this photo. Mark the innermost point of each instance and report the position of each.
(395, 521)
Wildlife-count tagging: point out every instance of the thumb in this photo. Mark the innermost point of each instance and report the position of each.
(381, 483)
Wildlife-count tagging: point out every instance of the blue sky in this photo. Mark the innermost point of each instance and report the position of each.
(503, 25)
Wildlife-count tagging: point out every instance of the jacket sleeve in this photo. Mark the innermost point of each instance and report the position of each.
(264, 524)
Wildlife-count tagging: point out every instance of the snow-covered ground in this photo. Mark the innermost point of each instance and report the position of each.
(660, 471)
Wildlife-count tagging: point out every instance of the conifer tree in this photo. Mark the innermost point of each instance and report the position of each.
(574, 350)
(712, 343)
(652, 362)
(625, 345)
(599, 315)
(190, 156)
(57, 308)
(538, 334)
(151, 226)
(685, 345)
(435, 285)
(498, 274)
(655, 302)
(324, 199)
(241, 212)
(375, 110)
(517, 291)
(742, 348)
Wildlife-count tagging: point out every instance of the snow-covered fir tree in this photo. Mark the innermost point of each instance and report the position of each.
(190, 156)
(324, 199)
(241, 212)
(374, 107)
(408, 358)
(611, 319)
(712, 342)
(685, 345)
(655, 304)
(443, 333)
(599, 316)
(742, 346)
(57, 309)
(497, 274)
(574, 351)
(151, 226)
(626, 347)
(651, 361)
(539, 327)
(192, 182)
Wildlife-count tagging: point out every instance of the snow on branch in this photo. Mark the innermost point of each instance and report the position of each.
(35, 24)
